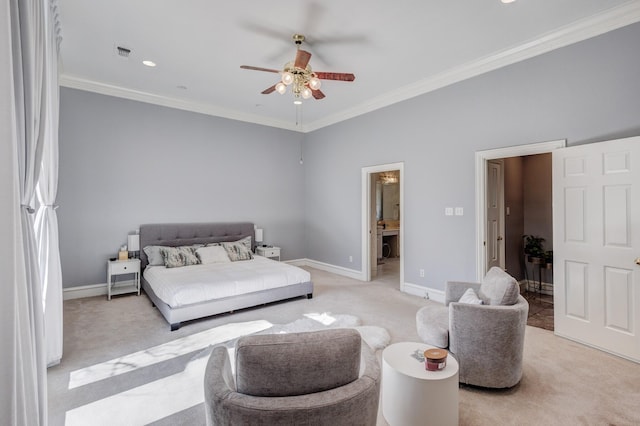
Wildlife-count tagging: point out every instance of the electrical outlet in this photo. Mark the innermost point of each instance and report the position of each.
(351, 259)
(422, 273)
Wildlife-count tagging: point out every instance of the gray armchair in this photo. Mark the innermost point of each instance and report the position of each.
(486, 339)
(324, 377)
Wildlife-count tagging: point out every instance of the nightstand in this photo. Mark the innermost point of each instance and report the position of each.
(270, 252)
(123, 267)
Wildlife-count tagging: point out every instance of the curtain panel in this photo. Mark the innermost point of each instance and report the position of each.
(24, 375)
(46, 222)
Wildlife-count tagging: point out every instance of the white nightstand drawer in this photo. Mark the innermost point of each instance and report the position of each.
(270, 252)
(125, 267)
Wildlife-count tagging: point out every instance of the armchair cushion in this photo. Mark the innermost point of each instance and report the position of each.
(499, 288)
(297, 363)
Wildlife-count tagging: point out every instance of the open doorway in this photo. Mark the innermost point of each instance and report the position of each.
(387, 219)
(514, 199)
(528, 232)
(383, 225)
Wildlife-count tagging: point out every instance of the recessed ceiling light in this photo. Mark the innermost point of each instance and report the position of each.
(149, 63)
(507, 1)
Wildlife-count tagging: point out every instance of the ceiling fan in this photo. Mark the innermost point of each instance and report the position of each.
(297, 74)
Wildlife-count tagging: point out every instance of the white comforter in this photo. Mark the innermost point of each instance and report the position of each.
(198, 283)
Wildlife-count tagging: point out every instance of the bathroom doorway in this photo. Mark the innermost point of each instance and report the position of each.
(383, 257)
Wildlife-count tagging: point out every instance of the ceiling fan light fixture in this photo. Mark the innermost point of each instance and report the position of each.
(315, 83)
(287, 78)
(299, 75)
(281, 88)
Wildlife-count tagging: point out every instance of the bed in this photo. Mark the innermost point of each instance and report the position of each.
(207, 290)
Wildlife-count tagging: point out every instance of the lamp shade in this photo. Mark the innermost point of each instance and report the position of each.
(133, 242)
(259, 235)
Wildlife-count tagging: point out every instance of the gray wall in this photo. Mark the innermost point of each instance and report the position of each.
(584, 93)
(123, 163)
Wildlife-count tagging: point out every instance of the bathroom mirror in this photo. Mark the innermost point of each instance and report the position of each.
(388, 196)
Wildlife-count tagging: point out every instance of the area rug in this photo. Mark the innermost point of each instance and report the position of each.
(161, 397)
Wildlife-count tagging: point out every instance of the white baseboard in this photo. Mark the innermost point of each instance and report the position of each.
(339, 270)
(424, 292)
(84, 291)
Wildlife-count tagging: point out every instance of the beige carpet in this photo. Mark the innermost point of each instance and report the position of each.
(564, 383)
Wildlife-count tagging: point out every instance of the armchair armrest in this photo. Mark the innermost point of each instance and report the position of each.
(219, 383)
(485, 327)
(455, 289)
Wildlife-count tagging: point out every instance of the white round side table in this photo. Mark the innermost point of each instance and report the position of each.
(413, 395)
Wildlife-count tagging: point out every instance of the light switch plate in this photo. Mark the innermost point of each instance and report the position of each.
(459, 211)
(448, 211)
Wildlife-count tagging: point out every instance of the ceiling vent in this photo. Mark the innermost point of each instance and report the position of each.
(123, 51)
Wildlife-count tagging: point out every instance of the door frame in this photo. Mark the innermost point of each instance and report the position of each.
(366, 221)
(482, 157)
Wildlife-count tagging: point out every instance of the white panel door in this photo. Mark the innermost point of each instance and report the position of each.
(495, 208)
(596, 218)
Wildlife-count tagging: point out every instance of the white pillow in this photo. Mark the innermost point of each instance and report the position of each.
(212, 254)
(470, 297)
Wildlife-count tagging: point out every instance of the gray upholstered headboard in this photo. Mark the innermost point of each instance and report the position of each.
(182, 234)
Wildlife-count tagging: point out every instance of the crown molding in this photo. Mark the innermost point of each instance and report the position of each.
(74, 82)
(584, 29)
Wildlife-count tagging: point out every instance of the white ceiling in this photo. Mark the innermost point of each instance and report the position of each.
(396, 49)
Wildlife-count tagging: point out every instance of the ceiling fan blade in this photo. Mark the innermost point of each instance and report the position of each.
(340, 76)
(249, 67)
(269, 90)
(317, 94)
(302, 59)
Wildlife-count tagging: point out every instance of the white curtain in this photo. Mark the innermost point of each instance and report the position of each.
(24, 375)
(46, 223)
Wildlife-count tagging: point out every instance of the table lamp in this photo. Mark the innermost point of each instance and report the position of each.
(134, 244)
(259, 236)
